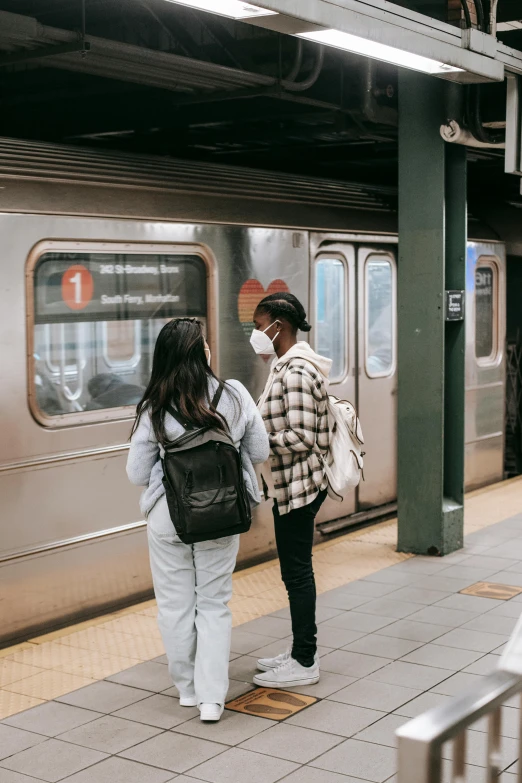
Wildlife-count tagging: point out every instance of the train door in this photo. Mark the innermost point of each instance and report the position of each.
(333, 308)
(353, 306)
(377, 373)
(485, 363)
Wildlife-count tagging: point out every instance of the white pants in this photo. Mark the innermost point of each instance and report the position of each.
(193, 585)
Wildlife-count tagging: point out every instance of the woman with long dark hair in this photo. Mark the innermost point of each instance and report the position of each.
(294, 407)
(192, 582)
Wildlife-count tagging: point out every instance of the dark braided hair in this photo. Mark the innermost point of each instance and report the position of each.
(285, 306)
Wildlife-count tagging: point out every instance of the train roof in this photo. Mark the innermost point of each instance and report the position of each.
(29, 161)
(39, 177)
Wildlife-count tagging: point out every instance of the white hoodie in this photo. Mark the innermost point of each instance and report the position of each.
(301, 350)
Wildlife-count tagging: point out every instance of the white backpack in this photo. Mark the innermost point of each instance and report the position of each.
(344, 462)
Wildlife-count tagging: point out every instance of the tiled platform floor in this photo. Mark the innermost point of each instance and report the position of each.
(56, 663)
(393, 643)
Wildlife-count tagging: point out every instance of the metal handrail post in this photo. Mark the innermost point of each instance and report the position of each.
(420, 740)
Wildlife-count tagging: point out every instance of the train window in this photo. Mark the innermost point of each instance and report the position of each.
(96, 320)
(122, 344)
(379, 307)
(330, 314)
(486, 288)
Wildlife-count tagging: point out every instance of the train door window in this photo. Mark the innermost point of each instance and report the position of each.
(96, 318)
(330, 314)
(486, 312)
(121, 342)
(379, 284)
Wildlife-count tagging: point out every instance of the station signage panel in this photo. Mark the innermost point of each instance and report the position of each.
(72, 287)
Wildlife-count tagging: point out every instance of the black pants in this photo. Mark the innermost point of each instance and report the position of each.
(294, 537)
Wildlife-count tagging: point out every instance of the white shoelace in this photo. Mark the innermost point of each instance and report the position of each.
(290, 662)
(285, 664)
(284, 656)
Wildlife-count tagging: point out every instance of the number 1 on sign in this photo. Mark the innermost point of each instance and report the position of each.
(77, 287)
(77, 282)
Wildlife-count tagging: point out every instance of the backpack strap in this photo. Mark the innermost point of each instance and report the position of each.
(213, 405)
(175, 415)
(216, 398)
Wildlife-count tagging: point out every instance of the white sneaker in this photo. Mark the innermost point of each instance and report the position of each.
(267, 664)
(211, 712)
(188, 701)
(289, 674)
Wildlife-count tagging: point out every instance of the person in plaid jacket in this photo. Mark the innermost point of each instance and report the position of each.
(294, 408)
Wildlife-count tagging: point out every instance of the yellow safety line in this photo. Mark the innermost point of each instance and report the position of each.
(238, 575)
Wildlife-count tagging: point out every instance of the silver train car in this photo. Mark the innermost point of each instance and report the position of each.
(98, 251)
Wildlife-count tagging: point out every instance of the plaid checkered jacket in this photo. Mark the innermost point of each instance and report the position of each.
(295, 414)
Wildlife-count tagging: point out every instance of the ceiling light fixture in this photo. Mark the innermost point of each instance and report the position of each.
(234, 9)
(508, 27)
(378, 51)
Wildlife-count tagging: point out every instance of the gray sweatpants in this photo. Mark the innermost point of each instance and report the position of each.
(193, 585)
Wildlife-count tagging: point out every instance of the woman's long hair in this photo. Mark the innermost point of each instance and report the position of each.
(180, 377)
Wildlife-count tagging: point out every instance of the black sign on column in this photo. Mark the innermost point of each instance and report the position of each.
(455, 305)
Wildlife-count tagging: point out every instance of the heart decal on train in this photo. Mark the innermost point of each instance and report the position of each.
(249, 297)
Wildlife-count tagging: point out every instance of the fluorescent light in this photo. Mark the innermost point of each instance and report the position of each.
(232, 8)
(507, 27)
(379, 51)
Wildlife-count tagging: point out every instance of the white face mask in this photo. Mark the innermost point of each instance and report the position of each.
(261, 342)
(208, 355)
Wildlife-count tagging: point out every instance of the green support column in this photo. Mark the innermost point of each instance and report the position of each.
(455, 351)
(432, 249)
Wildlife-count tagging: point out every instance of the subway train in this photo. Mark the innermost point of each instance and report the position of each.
(98, 251)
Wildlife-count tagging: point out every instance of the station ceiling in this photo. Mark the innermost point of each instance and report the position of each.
(165, 79)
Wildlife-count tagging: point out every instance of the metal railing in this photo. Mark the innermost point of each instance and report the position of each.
(420, 740)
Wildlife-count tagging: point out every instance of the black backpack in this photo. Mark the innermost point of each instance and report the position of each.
(204, 483)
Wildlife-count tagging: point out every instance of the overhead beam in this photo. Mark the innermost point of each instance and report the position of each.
(386, 23)
(83, 47)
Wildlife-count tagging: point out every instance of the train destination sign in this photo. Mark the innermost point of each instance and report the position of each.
(455, 302)
(109, 287)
